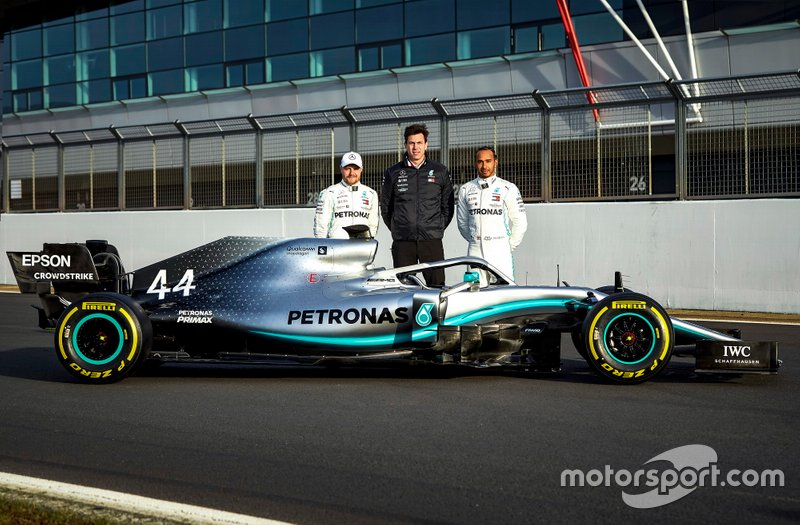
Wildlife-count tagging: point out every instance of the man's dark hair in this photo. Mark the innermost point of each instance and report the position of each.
(416, 129)
(486, 148)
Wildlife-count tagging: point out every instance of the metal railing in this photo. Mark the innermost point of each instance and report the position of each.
(713, 138)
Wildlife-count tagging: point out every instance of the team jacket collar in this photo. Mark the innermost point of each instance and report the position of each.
(487, 181)
(346, 186)
(411, 164)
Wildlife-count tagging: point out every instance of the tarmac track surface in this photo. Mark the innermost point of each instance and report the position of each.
(399, 445)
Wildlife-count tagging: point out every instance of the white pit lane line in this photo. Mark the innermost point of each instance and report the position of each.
(732, 321)
(129, 503)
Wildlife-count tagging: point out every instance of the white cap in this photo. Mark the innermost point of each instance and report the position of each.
(351, 158)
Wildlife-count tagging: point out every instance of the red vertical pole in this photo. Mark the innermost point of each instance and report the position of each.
(572, 38)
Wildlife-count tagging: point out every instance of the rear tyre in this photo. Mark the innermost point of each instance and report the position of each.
(102, 337)
(629, 338)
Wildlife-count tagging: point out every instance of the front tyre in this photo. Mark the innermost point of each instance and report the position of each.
(102, 337)
(628, 337)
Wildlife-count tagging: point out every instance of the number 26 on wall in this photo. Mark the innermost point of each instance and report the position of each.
(638, 183)
(159, 285)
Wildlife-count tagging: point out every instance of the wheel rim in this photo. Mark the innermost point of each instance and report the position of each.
(98, 339)
(630, 338)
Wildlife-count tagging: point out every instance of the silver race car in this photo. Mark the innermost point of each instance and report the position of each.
(262, 300)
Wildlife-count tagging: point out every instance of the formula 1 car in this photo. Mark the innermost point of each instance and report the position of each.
(261, 300)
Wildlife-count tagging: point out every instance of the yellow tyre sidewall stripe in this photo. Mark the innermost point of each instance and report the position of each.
(666, 331)
(133, 333)
(591, 333)
(61, 333)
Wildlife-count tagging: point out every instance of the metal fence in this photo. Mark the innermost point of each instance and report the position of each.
(746, 141)
(714, 138)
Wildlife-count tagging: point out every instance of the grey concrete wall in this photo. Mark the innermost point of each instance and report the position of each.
(741, 255)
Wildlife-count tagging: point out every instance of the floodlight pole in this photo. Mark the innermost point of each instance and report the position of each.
(187, 170)
(259, 144)
(690, 43)
(120, 166)
(657, 36)
(61, 187)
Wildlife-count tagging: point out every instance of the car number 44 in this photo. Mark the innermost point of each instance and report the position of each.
(159, 284)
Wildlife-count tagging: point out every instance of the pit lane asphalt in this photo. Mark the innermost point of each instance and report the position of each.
(314, 445)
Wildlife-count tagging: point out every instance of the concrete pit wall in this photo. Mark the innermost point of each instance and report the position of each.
(741, 255)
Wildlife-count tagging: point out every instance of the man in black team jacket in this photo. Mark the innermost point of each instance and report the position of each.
(417, 205)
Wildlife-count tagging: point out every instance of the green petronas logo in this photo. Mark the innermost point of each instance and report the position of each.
(424, 317)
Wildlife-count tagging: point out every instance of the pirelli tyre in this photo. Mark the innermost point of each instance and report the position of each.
(628, 337)
(103, 337)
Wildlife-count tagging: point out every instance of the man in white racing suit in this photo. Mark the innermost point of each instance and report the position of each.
(347, 203)
(491, 215)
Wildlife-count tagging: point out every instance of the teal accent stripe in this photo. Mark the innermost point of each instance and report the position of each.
(690, 331)
(380, 340)
(490, 311)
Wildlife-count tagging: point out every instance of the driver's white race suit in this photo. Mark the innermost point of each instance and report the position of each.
(341, 205)
(491, 217)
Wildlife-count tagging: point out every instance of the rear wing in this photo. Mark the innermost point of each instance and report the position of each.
(58, 265)
(63, 273)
